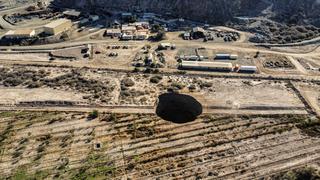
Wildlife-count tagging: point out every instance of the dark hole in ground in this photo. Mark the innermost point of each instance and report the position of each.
(97, 146)
(178, 108)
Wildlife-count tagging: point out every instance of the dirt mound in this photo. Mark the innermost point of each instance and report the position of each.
(178, 108)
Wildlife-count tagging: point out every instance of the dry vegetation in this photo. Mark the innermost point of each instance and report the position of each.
(278, 33)
(62, 145)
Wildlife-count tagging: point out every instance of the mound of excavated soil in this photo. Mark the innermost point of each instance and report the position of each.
(178, 108)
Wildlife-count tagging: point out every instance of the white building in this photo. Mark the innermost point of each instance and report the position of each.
(141, 36)
(127, 37)
(206, 66)
(113, 32)
(20, 33)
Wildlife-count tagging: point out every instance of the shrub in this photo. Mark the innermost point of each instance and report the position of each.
(177, 85)
(155, 79)
(127, 82)
(192, 87)
(93, 115)
(161, 35)
(206, 84)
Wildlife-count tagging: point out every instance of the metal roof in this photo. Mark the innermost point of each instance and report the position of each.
(206, 64)
(72, 13)
(56, 23)
(248, 68)
(20, 32)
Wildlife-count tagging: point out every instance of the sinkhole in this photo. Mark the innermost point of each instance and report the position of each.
(178, 108)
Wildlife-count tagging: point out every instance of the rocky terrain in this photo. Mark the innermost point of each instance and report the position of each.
(215, 11)
(285, 21)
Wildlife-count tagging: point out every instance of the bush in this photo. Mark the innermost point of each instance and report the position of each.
(127, 82)
(301, 29)
(135, 70)
(93, 115)
(34, 85)
(155, 79)
(12, 82)
(177, 85)
(206, 84)
(161, 35)
(192, 87)
(299, 174)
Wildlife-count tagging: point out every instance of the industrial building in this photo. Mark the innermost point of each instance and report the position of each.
(128, 29)
(58, 26)
(206, 66)
(248, 69)
(135, 31)
(72, 14)
(126, 37)
(113, 32)
(140, 25)
(192, 58)
(141, 35)
(198, 32)
(226, 57)
(20, 34)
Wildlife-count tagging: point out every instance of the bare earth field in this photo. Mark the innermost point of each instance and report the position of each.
(137, 146)
(122, 89)
(11, 95)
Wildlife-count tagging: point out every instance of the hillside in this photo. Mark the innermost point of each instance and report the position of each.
(213, 11)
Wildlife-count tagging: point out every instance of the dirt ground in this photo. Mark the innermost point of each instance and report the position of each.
(16, 95)
(312, 95)
(35, 57)
(137, 146)
(140, 89)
